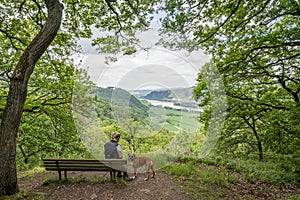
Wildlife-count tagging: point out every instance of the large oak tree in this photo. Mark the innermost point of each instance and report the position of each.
(29, 28)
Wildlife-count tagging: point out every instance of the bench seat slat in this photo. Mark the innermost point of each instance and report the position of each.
(76, 164)
(85, 166)
(87, 162)
(63, 164)
(77, 169)
(82, 160)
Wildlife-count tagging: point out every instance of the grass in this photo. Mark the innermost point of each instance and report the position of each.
(212, 177)
(296, 197)
(191, 172)
(216, 177)
(201, 182)
(31, 173)
(97, 179)
(29, 195)
(181, 170)
(271, 171)
(172, 119)
(23, 195)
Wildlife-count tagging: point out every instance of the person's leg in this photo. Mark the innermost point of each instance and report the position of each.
(119, 174)
(125, 175)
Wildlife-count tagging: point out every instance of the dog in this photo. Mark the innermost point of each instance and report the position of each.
(139, 161)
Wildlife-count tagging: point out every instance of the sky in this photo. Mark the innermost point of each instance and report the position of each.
(155, 69)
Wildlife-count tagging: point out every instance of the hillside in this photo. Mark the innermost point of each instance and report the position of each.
(120, 99)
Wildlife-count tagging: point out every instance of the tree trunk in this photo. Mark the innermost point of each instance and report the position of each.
(258, 141)
(259, 146)
(17, 96)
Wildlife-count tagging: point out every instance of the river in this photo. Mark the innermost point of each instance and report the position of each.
(171, 105)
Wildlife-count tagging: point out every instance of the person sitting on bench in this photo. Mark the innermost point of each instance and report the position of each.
(113, 150)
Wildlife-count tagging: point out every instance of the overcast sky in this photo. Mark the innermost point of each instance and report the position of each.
(157, 68)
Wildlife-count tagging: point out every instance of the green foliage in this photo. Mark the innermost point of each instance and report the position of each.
(97, 179)
(255, 48)
(29, 195)
(258, 66)
(137, 138)
(181, 170)
(209, 174)
(274, 170)
(174, 120)
(295, 197)
(47, 128)
(32, 172)
(213, 177)
(199, 179)
(121, 103)
(23, 195)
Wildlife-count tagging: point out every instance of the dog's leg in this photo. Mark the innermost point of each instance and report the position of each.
(134, 172)
(152, 169)
(153, 173)
(147, 176)
(147, 172)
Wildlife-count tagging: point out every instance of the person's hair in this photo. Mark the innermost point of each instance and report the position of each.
(115, 135)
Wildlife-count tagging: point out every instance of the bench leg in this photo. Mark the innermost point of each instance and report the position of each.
(66, 174)
(59, 175)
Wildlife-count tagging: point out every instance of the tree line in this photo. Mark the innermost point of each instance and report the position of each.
(254, 47)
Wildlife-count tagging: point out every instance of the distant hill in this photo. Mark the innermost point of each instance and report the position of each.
(182, 94)
(158, 95)
(121, 100)
(140, 93)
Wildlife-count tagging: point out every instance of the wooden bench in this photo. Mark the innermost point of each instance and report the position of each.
(64, 165)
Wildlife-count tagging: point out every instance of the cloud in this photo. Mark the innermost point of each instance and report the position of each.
(156, 68)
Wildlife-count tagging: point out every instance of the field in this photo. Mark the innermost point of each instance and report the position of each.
(174, 120)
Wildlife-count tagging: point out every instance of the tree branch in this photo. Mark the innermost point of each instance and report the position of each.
(223, 23)
(11, 38)
(108, 2)
(21, 6)
(259, 103)
(251, 17)
(291, 44)
(38, 20)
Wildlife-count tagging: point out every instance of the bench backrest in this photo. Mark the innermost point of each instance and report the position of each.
(53, 164)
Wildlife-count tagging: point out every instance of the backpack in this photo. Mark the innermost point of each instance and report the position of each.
(110, 150)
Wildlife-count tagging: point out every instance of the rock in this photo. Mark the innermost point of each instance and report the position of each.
(94, 196)
(145, 190)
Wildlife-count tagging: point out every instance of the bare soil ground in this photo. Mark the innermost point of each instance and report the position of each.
(160, 187)
(163, 186)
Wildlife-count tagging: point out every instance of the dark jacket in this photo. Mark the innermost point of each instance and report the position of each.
(110, 150)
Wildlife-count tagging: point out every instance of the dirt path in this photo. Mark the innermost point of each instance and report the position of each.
(161, 187)
(94, 186)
